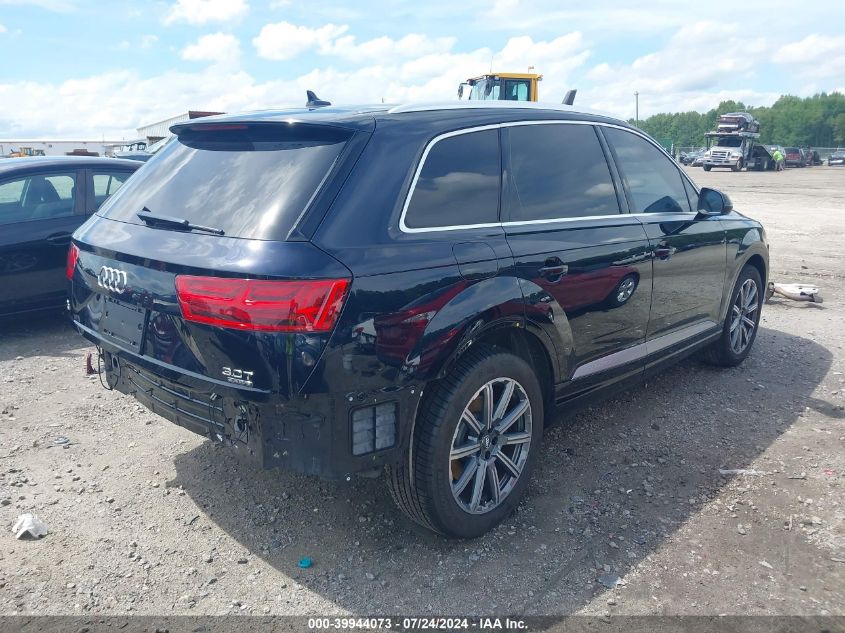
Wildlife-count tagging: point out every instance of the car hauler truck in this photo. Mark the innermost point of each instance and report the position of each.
(735, 144)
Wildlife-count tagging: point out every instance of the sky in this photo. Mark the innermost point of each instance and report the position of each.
(100, 69)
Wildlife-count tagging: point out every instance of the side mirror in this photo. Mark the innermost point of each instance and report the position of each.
(713, 202)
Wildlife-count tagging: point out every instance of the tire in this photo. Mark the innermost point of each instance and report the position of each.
(726, 352)
(424, 484)
(737, 167)
(707, 167)
(622, 291)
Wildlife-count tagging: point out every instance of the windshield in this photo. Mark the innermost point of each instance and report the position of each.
(251, 181)
(482, 86)
(152, 149)
(729, 142)
(514, 90)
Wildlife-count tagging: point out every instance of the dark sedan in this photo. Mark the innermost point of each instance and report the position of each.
(43, 200)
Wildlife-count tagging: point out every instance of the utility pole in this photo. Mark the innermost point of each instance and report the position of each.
(637, 107)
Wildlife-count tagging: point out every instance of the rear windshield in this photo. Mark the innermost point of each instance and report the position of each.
(250, 181)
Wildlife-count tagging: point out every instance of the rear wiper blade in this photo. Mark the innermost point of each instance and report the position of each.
(147, 217)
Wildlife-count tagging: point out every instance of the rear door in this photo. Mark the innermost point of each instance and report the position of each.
(689, 250)
(584, 264)
(39, 210)
(451, 217)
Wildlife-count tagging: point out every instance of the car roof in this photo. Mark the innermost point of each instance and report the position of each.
(365, 116)
(76, 162)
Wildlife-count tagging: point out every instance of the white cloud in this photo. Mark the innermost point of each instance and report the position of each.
(2, 29)
(382, 48)
(204, 11)
(148, 41)
(435, 76)
(215, 47)
(678, 77)
(114, 104)
(671, 75)
(816, 56)
(284, 40)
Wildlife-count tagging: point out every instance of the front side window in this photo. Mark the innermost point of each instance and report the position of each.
(652, 179)
(458, 184)
(558, 171)
(37, 197)
(106, 183)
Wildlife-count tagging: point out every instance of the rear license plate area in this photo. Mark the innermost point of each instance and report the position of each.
(123, 324)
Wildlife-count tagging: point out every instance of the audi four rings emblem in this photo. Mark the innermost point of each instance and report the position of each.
(112, 279)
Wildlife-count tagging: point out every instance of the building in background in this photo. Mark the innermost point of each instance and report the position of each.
(47, 147)
(161, 129)
(147, 135)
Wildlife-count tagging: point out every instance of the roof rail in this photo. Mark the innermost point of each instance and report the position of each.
(472, 105)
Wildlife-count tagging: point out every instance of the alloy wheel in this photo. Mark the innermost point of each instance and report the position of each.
(743, 316)
(490, 445)
(626, 289)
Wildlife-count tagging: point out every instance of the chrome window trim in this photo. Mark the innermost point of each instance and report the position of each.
(495, 126)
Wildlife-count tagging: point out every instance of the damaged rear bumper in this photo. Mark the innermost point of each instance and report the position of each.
(328, 435)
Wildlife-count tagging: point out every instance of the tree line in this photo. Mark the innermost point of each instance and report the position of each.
(817, 121)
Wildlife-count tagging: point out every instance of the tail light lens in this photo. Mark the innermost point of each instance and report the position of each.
(72, 256)
(265, 306)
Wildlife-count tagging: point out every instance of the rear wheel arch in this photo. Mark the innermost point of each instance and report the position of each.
(529, 347)
(415, 482)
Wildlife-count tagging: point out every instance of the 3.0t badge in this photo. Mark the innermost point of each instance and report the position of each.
(238, 376)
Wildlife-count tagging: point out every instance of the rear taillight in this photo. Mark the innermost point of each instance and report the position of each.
(266, 306)
(72, 256)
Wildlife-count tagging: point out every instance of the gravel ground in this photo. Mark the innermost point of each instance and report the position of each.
(147, 518)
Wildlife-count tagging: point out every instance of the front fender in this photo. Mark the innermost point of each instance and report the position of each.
(744, 242)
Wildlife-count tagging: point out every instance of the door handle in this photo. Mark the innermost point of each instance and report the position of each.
(663, 251)
(553, 269)
(59, 238)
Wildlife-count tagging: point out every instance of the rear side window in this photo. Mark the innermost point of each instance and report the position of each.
(651, 177)
(106, 183)
(558, 171)
(251, 181)
(458, 183)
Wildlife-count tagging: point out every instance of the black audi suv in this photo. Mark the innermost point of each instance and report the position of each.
(410, 289)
